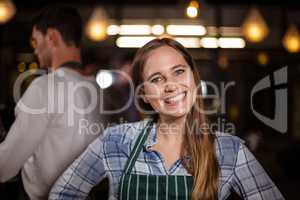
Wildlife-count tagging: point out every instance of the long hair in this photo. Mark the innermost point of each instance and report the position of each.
(198, 143)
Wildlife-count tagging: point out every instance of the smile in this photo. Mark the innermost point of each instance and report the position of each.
(176, 98)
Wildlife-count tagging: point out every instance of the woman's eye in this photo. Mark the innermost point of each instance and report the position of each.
(155, 80)
(179, 71)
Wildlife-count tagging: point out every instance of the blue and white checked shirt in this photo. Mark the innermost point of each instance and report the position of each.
(107, 156)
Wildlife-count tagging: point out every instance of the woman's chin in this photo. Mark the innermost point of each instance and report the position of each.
(174, 114)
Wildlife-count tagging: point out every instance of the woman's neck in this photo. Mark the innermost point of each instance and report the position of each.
(171, 129)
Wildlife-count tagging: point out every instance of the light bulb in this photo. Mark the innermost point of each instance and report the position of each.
(291, 40)
(192, 9)
(97, 25)
(254, 27)
(7, 11)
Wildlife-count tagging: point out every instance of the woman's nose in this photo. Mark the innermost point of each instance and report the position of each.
(170, 87)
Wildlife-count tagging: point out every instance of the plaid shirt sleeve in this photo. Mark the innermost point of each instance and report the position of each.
(250, 180)
(85, 172)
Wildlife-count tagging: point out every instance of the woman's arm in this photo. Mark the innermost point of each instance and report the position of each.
(250, 180)
(85, 172)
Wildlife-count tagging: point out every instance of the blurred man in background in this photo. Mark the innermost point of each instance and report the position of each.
(53, 116)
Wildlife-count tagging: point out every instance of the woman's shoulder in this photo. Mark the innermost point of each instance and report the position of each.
(227, 148)
(124, 133)
(228, 141)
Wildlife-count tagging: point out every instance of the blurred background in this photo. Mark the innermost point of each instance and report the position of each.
(234, 43)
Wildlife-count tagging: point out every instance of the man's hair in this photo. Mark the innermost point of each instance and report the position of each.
(66, 20)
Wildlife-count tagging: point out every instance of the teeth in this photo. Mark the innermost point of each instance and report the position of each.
(176, 98)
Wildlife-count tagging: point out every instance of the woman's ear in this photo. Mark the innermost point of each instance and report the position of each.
(142, 95)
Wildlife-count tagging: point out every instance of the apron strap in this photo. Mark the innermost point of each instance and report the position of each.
(138, 147)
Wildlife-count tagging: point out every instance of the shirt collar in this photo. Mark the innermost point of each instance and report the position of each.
(151, 139)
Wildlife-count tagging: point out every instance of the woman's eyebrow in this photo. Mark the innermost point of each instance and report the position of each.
(177, 66)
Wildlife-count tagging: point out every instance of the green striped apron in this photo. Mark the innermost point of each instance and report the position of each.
(151, 187)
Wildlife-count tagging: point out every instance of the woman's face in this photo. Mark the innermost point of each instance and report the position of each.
(169, 85)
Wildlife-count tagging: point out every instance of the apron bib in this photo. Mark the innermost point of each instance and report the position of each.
(151, 187)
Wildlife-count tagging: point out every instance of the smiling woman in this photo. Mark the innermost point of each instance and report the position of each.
(170, 81)
(167, 156)
(170, 89)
